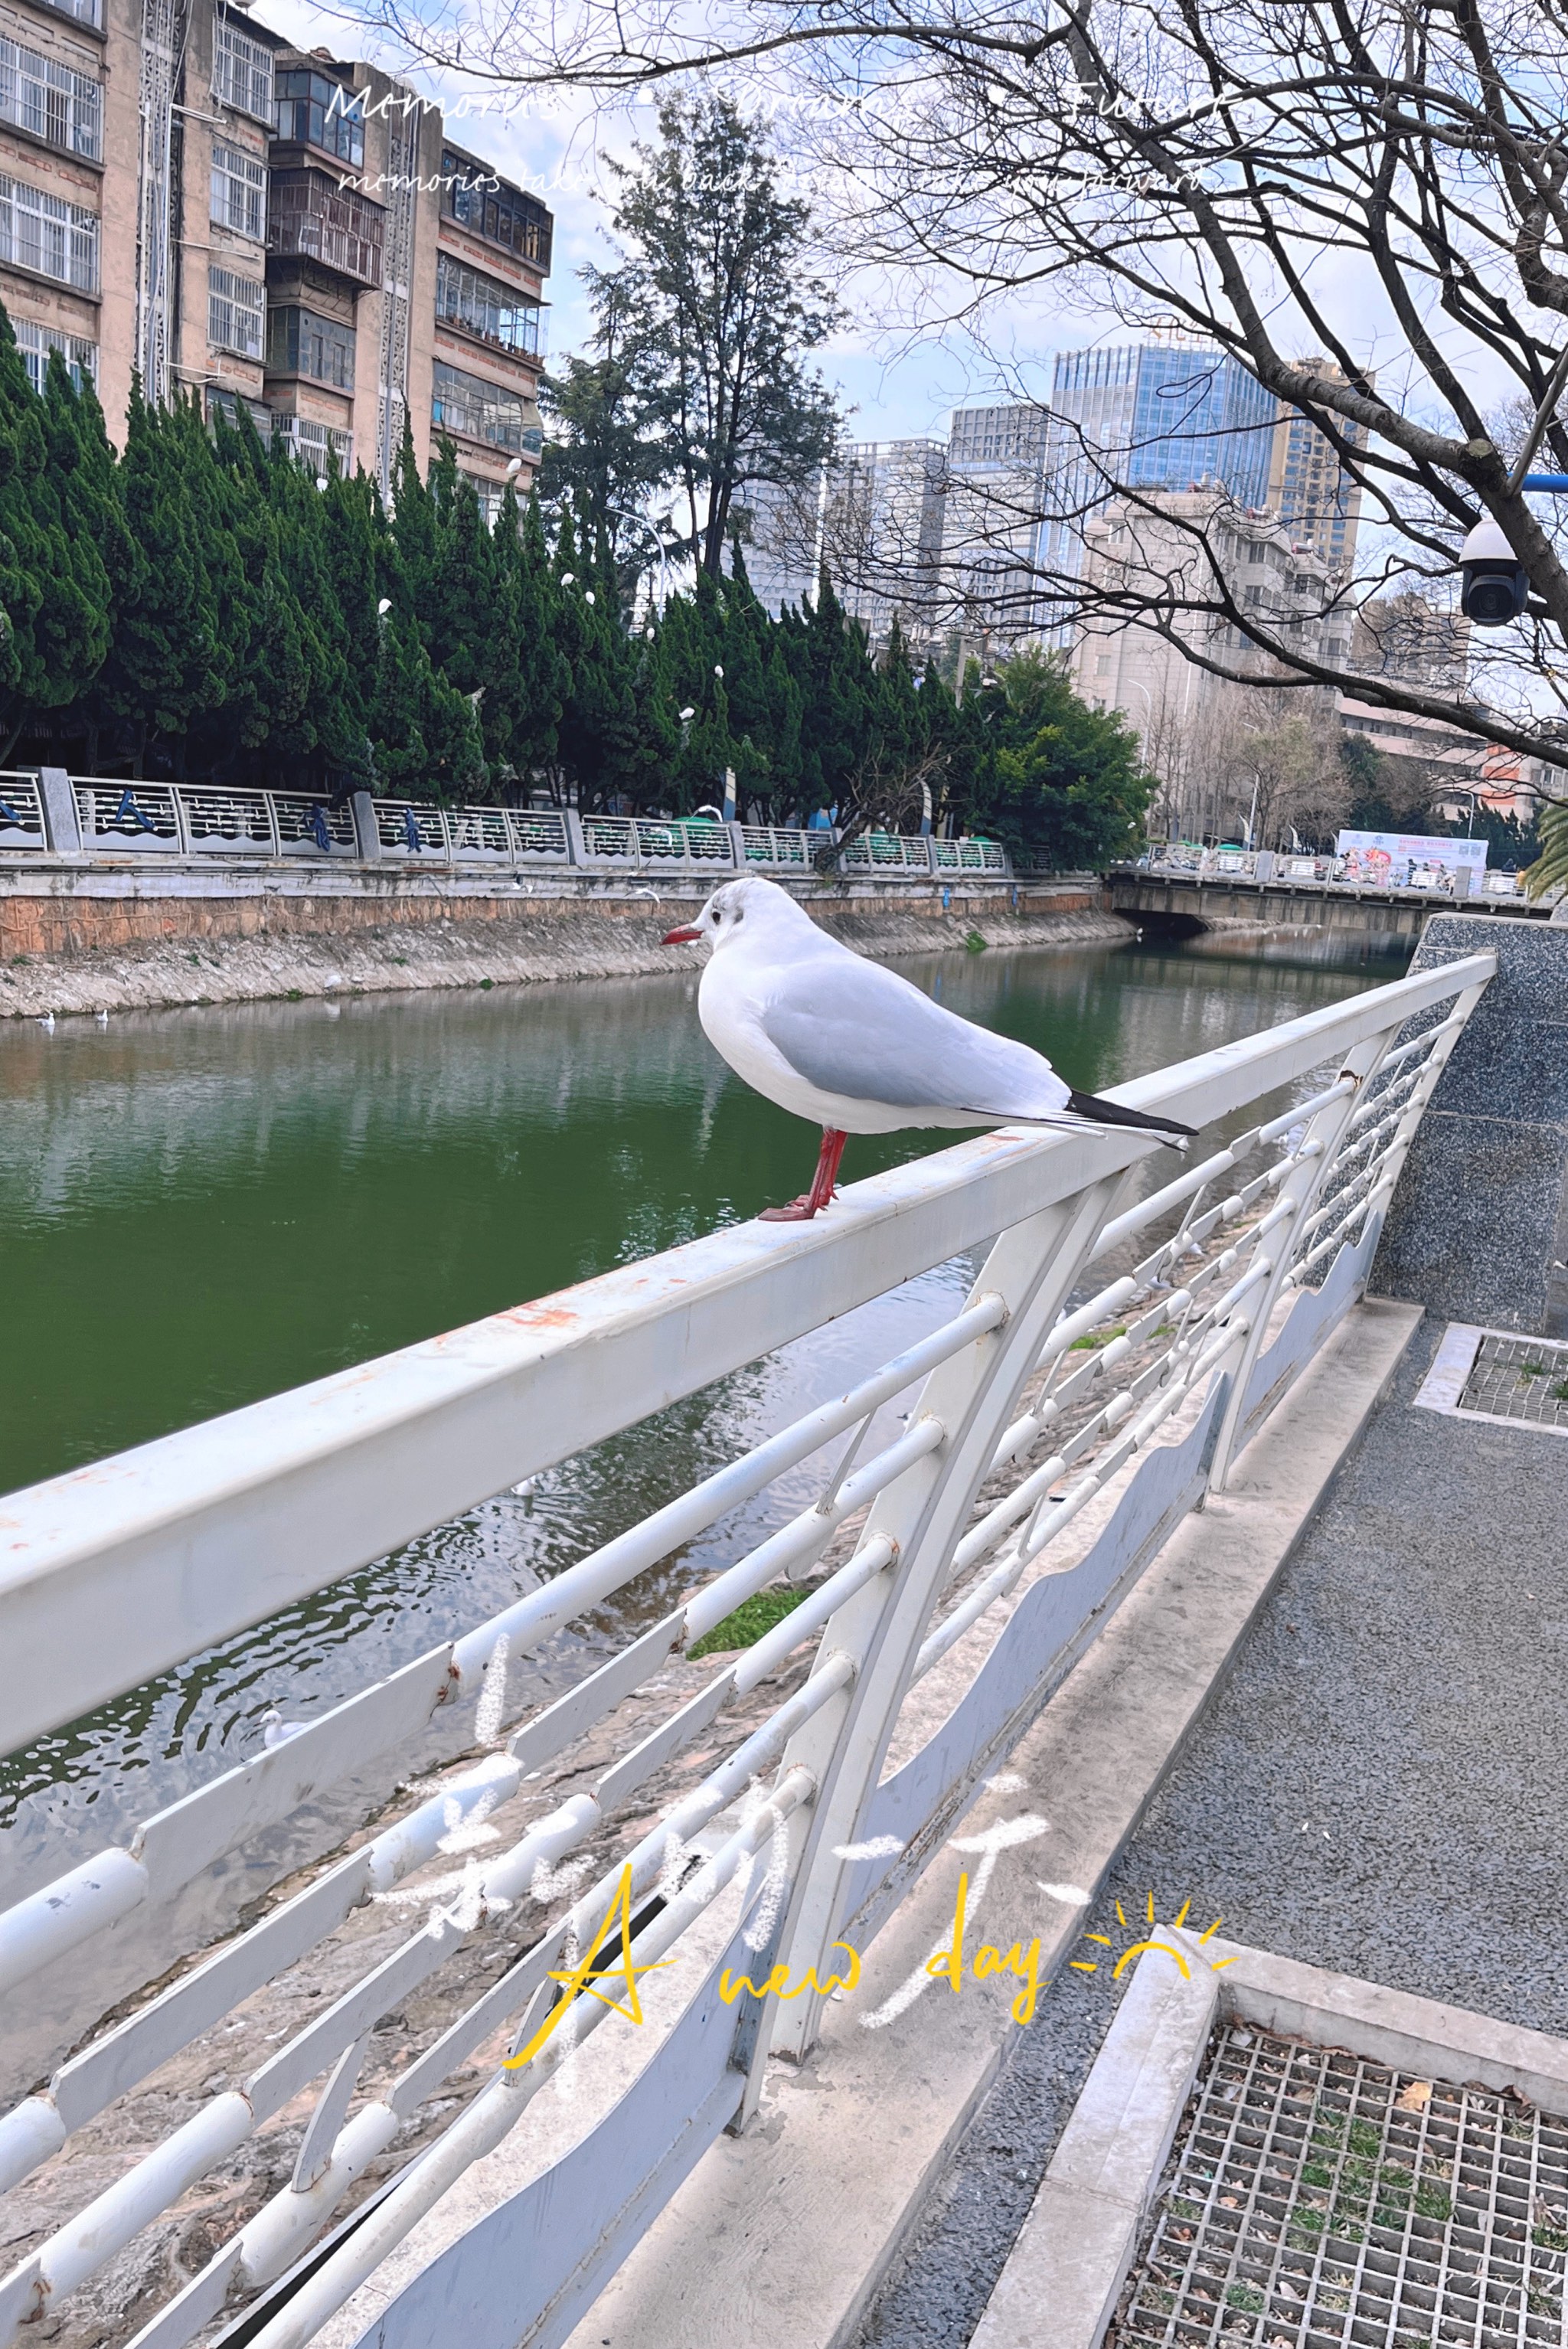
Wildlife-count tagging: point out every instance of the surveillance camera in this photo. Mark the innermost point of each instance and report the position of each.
(1495, 587)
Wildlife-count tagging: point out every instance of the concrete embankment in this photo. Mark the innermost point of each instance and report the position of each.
(78, 942)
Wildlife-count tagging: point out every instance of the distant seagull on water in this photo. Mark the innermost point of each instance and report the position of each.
(823, 1032)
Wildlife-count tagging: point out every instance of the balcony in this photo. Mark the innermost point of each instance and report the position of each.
(311, 217)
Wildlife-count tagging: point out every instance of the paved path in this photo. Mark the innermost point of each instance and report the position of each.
(1382, 1788)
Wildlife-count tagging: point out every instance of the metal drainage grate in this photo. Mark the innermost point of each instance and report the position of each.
(1518, 1378)
(1314, 2201)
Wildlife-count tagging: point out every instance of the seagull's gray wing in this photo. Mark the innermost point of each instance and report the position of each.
(849, 1026)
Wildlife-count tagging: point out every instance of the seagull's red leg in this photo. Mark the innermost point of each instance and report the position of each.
(825, 1182)
(802, 1210)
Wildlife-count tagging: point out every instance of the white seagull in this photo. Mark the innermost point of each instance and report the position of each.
(832, 1036)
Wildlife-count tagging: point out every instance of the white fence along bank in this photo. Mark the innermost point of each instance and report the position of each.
(1277, 868)
(51, 812)
(796, 1837)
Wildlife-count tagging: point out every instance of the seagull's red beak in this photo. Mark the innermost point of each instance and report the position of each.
(680, 938)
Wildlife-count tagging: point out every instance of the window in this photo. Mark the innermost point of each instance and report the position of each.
(45, 233)
(242, 71)
(51, 101)
(234, 310)
(36, 343)
(301, 342)
(485, 412)
(488, 494)
(313, 444)
(84, 12)
(313, 108)
(239, 191)
(475, 197)
(230, 405)
(485, 307)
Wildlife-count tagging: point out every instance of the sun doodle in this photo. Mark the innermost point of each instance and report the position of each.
(1149, 1942)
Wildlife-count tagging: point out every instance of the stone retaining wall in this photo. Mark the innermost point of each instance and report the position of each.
(78, 941)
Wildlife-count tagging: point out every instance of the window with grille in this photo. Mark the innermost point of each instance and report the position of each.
(313, 443)
(239, 191)
(235, 306)
(242, 71)
(36, 342)
(44, 233)
(484, 411)
(467, 298)
(301, 342)
(231, 404)
(41, 96)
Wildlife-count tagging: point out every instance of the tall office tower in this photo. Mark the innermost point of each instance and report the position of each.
(1315, 499)
(991, 530)
(186, 200)
(872, 519)
(1159, 416)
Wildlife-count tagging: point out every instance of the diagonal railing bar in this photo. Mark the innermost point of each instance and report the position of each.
(1244, 1264)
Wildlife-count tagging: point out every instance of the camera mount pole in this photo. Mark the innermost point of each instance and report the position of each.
(1521, 478)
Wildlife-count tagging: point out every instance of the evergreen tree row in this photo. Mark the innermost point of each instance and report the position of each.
(206, 607)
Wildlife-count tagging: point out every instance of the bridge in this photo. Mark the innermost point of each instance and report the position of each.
(405, 2112)
(1238, 889)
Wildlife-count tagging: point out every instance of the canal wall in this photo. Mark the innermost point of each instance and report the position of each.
(76, 941)
(1477, 1230)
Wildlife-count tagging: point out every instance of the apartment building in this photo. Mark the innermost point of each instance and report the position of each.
(875, 518)
(188, 201)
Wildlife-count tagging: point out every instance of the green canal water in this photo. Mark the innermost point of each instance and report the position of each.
(207, 1207)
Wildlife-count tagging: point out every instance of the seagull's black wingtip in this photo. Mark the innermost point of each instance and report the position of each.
(1096, 1112)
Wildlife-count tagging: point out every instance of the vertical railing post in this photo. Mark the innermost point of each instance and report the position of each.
(1031, 1268)
(1298, 1192)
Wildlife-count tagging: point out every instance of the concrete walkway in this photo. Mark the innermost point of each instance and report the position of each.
(1381, 1789)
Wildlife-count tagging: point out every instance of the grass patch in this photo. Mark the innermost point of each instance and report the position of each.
(1532, 1370)
(1560, 1392)
(1244, 2296)
(297, 995)
(974, 943)
(1096, 1339)
(751, 1619)
(487, 982)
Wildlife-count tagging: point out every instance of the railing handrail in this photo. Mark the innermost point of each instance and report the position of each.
(163, 1514)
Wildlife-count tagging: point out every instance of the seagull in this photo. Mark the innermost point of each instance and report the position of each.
(817, 1028)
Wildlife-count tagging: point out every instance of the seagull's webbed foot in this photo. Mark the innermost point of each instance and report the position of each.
(798, 1211)
(824, 1184)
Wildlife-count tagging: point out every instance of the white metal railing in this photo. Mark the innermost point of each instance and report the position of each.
(1221, 1285)
(21, 812)
(200, 821)
(1279, 867)
(121, 816)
